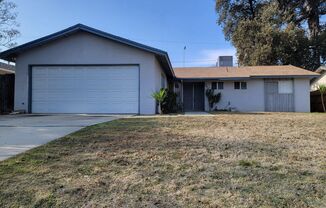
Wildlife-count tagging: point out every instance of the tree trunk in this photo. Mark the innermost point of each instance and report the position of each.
(322, 101)
(252, 9)
(312, 11)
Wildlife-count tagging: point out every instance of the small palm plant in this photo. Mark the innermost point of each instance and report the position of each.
(159, 97)
(322, 90)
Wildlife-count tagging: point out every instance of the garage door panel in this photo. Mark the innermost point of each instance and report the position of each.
(84, 108)
(85, 89)
(80, 96)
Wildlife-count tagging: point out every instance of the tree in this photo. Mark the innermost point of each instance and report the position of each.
(8, 24)
(232, 12)
(322, 90)
(263, 34)
(159, 98)
(322, 44)
(301, 12)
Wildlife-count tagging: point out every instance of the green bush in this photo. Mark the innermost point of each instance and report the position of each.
(170, 104)
(212, 98)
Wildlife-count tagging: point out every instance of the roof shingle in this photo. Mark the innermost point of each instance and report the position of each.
(241, 72)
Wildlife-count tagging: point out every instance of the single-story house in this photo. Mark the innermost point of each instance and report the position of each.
(319, 80)
(84, 70)
(247, 89)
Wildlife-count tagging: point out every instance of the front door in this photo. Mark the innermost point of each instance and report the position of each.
(193, 96)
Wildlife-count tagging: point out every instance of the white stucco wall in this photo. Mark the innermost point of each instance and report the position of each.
(302, 95)
(253, 99)
(158, 76)
(84, 48)
(249, 100)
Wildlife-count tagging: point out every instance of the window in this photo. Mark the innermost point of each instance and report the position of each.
(240, 85)
(243, 85)
(220, 85)
(285, 87)
(176, 85)
(237, 85)
(214, 86)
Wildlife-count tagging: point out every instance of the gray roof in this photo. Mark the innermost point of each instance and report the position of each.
(162, 56)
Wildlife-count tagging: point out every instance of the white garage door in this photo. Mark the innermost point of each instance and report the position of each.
(85, 89)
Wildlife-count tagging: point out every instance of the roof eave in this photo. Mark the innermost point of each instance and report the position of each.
(166, 64)
(211, 78)
(11, 54)
(245, 78)
(283, 76)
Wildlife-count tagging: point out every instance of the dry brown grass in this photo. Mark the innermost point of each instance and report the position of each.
(241, 160)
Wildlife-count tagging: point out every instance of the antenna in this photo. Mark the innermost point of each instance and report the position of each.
(184, 55)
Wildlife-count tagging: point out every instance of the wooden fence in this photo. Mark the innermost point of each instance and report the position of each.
(315, 100)
(7, 90)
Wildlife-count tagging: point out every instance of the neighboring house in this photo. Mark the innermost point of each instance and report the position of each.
(319, 80)
(84, 70)
(257, 88)
(6, 69)
(7, 84)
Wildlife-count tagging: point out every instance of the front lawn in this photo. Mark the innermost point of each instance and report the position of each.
(238, 160)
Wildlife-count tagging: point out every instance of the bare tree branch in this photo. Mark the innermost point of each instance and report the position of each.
(8, 24)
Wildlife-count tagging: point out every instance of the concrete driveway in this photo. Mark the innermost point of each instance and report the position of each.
(19, 133)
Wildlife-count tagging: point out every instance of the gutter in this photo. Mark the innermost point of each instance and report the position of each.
(245, 78)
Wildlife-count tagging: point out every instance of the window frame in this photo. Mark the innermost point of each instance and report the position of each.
(243, 85)
(240, 85)
(282, 84)
(214, 85)
(235, 85)
(220, 85)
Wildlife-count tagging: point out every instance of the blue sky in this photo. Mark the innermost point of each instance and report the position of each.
(168, 25)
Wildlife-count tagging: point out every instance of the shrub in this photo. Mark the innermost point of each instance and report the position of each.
(170, 104)
(159, 97)
(212, 98)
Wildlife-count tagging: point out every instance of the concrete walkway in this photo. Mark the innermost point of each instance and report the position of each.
(19, 133)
